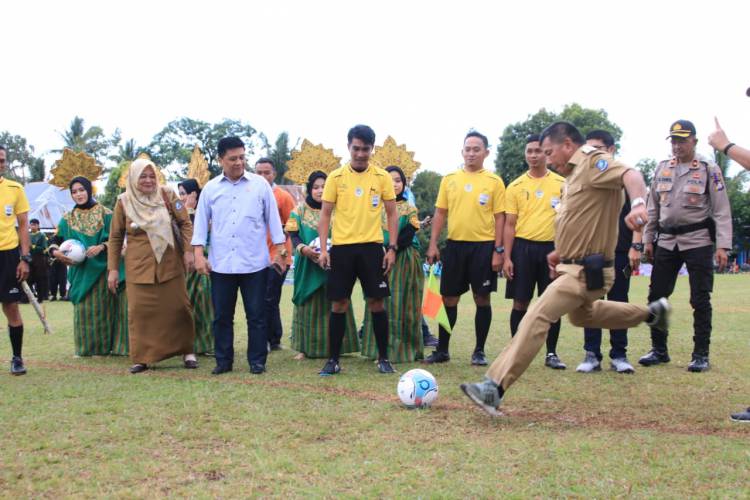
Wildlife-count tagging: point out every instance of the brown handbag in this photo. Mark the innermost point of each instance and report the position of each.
(176, 232)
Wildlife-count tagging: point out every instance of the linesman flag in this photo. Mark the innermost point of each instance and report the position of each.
(432, 305)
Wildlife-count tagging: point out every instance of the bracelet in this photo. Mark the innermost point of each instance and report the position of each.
(728, 147)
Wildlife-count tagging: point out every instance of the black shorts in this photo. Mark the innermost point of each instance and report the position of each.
(467, 263)
(529, 269)
(10, 289)
(358, 260)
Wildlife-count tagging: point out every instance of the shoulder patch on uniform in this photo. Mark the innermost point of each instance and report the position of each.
(586, 149)
(602, 165)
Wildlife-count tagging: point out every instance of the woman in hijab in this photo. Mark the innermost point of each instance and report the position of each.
(311, 306)
(160, 319)
(406, 282)
(198, 285)
(99, 318)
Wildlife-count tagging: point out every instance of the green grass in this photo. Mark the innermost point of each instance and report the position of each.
(78, 427)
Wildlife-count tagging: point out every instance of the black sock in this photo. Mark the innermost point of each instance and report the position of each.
(444, 337)
(336, 327)
(500, 391)
(552, 335)
(515, 319)
(16, 339)
(380, 329)
(482, 320)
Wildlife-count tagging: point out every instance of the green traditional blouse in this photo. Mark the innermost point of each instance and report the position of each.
(90, 227)
(308, 276)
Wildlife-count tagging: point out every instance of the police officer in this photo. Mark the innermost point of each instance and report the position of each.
(585, 239)
(688, 213)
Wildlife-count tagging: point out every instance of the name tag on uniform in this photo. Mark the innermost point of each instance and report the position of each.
(483, 199)
(375, 200)
(8, 210)
(555, 202)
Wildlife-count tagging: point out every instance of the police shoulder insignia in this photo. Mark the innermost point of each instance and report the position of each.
(602, 165)
(588, 149)
(178, 205)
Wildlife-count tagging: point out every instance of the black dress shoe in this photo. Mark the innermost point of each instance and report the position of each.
(257, 369)
(385, 366)
(138, 368)
(654, 357)
(190, 364)
(221, 369)
(276, 347)
(478, 358)
(699, 364)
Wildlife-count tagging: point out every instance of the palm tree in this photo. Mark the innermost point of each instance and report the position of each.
(128, 151)
(91, 141)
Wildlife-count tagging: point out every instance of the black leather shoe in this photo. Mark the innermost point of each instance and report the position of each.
(276, 347)
(221, 369)
(16, 366)
(430, 340)
(257, 369)
(699, 364)
(190, 364)
(385, 366)
(478, 358)
(654, 357)
(553, 361)
(331, 368)
(138, 368)
(437, 357)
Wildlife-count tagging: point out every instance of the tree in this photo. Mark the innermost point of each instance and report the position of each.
(112, 190)
(647, 166)
(280, 153)
(91, 141)
(37, 170)
(510, 162)
(425, 189)
(175, 142)
(20, 156)
(127, 151)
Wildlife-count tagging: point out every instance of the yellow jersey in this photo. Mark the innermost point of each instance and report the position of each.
(13, 201)
(358, 198)
(472, 199)
(534, 201)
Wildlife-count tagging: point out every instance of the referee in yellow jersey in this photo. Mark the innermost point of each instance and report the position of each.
(471, 198)
(359, 192)
(529, 235)
(14, 257)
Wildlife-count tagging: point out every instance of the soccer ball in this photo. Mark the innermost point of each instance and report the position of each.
(417, 388)
(74, 250)
(315, 244)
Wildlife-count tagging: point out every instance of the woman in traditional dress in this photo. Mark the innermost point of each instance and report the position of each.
(160, 319)
(311, 306)
(406, 282)
(100, 318)
(198, 285)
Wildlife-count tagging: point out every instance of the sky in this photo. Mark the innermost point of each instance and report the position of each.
(423, 72)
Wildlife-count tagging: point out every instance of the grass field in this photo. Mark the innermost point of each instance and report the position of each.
(87, 428)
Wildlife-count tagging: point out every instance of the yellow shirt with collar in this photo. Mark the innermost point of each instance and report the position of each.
(13, 201)
(534, 201)
(472, 199)
(358, 203)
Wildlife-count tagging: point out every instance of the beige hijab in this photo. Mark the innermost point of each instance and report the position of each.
(148, 211)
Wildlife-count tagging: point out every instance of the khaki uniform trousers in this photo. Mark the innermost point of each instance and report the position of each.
(565, 295)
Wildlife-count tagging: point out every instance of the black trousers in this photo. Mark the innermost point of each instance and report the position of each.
(39, 276)
(58, 279)
(700, 267)
(274, 282)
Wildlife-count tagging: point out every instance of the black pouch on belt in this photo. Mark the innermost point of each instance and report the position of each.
(593, 266)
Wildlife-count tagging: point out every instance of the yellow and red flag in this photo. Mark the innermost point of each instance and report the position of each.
(432, 305)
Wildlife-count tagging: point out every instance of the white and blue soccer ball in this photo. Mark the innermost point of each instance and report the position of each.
(417, 388)
(74, 250)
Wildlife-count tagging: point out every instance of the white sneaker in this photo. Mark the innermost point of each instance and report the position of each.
(621, 365)
(590, 364)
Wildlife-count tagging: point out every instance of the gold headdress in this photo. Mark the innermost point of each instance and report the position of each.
(391, 153)
(72, 165)
(309, 159)
(198, 168)
(123, 182)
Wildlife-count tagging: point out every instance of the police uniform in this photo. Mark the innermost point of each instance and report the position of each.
(585, 227)
(688, 212)
(13, 201)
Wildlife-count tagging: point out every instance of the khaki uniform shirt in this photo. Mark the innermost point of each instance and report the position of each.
(688, 193)
(140, 262)
(587, 216)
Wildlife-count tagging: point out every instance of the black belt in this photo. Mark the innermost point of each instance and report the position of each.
(687, 228)
(579, 262)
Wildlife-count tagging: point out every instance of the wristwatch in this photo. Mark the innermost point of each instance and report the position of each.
(500, 249)
(393, 247)
(637, 246)
(637, 201)
(26, 258)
